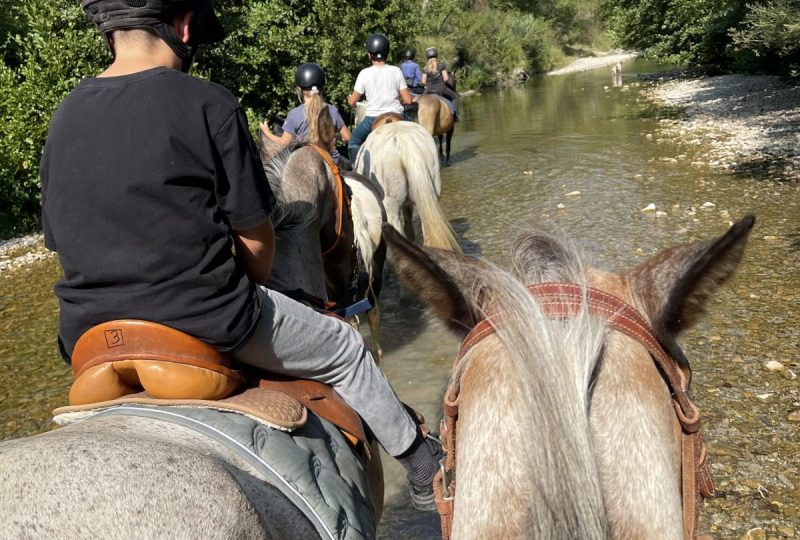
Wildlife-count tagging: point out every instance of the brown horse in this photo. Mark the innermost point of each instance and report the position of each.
(434, 115)
(566, 428)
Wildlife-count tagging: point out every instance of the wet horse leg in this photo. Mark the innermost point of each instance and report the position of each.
(449, 138)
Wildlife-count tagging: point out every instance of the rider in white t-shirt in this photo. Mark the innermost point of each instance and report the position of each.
(384, 87)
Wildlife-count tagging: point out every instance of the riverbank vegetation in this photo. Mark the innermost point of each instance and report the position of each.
(47, 46)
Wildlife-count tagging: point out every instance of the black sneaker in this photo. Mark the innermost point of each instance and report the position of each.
(422, 496)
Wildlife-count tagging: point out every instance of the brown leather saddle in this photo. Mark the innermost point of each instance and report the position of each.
(140, 360)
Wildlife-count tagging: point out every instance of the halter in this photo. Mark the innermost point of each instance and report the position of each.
(560, 301)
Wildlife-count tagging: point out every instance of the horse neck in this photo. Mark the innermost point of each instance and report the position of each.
(523, 430)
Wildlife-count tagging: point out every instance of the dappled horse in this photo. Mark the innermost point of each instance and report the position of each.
(313, 205)
(436, 116)
(401, 158)
(147, 471)
(568, 404)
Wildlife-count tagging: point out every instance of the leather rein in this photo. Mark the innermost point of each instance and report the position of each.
(560, 301)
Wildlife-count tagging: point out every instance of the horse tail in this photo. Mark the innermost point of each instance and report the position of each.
(421, 163)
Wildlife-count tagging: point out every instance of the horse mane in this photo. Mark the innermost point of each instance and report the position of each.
(556, 359)
(286, 215)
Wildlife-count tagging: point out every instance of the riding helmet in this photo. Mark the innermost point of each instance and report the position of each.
(378, 46)
(410, 54)
(431, 52)
(157, 15)
(308, 75)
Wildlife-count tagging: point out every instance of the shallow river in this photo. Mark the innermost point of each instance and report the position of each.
(516, 155)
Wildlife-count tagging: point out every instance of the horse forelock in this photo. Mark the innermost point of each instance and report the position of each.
(551, 364)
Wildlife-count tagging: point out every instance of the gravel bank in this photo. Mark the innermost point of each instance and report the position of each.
(21, 251)
(742, 123)
(593, 62)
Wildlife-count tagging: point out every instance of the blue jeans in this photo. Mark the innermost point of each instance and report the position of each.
(360, 134)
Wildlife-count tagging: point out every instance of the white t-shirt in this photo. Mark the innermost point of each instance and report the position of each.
(381, 86)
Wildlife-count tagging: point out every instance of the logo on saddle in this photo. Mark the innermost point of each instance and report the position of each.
(134, 361)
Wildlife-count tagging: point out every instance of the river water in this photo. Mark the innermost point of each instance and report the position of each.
(517, 154)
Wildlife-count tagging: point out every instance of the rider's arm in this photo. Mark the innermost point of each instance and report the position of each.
(424, 79)
(353, 98)
(345, 134)
(405, 97)
(445, 76)
(255, 249)
(283, 140)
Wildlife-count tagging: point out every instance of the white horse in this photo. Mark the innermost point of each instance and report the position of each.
(369, 215)
(402, 158)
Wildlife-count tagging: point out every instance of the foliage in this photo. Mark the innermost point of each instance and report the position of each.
(677, 30)
(52, 49)
(770, 30)
(486, 47)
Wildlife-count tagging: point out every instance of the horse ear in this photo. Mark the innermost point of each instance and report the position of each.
(675, 284)
(433, 275)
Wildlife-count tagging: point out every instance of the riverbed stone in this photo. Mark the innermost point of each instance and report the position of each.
(794, 417)
(773, 365)
(755, 534)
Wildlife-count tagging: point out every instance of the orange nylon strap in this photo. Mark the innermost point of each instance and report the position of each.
(325, 155)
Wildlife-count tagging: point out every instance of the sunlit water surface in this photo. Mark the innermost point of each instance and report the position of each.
(517, 154)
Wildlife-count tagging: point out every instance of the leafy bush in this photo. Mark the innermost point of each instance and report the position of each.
(771, 30)
(484, 48)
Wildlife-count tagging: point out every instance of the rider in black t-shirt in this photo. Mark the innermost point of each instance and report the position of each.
(150, 178)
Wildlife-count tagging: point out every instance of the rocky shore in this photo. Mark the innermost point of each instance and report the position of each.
(742, 123)
(594, 62)
(21, 251)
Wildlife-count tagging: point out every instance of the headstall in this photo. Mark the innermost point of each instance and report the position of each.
(560, 301)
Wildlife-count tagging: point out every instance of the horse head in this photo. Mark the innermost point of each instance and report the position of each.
(566, 426)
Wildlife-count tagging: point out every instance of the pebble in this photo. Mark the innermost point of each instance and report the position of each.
(573, 193)
(764, 398)
(755, 534)
(774, 365)
(527, 173)
(794, 416)
(560, 206)
(708, 205)
(789, 375)
(769, 238)
(661, 213)
(649, 208)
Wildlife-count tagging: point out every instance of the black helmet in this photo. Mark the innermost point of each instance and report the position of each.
(431, 52)
(309, 75)
(378, 46)
(410, 53)
(110, 15)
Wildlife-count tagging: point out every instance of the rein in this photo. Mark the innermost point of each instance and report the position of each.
(560, 301)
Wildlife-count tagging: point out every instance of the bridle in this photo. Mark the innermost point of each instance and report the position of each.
(561, 301)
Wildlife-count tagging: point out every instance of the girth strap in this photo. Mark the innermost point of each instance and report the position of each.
(562, 300)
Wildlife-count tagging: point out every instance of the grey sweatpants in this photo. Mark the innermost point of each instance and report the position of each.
(292, 339)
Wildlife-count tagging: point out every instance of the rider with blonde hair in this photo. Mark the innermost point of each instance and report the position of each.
(313, 120)
(437, 80)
